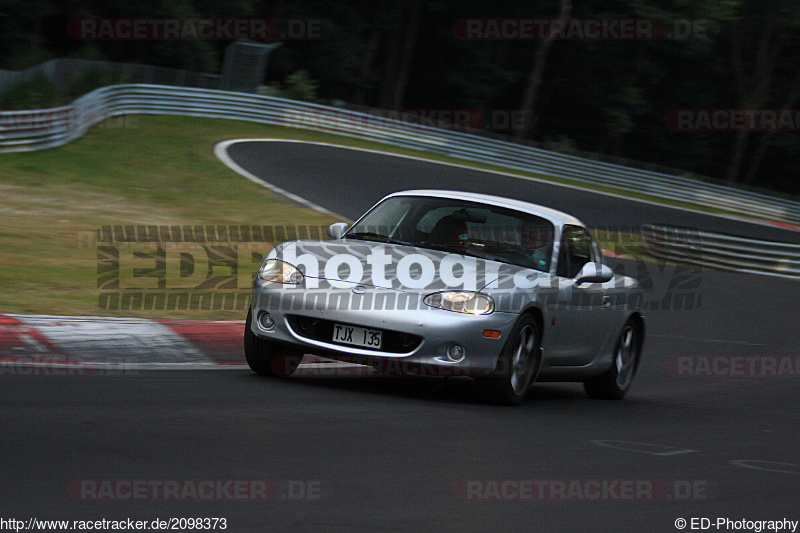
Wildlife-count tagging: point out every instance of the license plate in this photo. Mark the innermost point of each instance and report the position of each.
(369, 338)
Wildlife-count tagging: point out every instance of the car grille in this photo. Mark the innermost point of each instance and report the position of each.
(322, 330)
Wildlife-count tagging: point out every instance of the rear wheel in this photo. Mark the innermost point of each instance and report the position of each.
(266, 357)
(517, 366)
(614, 384)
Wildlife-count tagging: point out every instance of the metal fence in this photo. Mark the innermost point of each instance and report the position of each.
(36, 130)
(690, 245)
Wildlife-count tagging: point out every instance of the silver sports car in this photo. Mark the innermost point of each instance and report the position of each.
(448, 283)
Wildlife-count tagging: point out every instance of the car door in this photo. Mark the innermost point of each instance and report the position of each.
(583, 315)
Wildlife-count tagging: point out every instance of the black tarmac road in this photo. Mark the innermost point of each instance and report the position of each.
(412, 454)
(349, 182)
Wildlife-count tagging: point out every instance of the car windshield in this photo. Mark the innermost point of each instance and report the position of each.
(461, 227)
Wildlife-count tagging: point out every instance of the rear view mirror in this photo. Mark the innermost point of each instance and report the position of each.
(337, 229)
(594, 273)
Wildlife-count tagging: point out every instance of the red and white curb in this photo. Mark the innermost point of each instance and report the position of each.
(125, 345)
(130, 342)
(784, 225)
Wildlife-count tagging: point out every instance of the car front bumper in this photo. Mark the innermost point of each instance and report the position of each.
(398, 314)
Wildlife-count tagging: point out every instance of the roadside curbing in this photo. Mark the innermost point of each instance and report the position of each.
(99, 342)
(90, 345)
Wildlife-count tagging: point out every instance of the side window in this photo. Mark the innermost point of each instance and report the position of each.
(575, 251)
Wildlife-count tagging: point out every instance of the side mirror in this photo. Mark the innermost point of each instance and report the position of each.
(337, 229)
(594, 273)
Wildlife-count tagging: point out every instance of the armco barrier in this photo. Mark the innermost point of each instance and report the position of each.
(47, 128)
(729, 252)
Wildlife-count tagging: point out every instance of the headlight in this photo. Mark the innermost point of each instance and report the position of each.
(277, 271)
(473, 303)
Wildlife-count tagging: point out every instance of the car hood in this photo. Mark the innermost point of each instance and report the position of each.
(406, 268)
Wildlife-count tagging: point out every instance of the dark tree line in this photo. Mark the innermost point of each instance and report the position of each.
(610, 97)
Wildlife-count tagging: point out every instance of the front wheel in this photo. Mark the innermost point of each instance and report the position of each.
(265, 357)
(517, 366)
(614, 384)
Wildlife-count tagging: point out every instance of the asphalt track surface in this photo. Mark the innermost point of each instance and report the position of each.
(349, 182)
(386, 454)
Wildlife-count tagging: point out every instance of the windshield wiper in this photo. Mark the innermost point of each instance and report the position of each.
(372, 236)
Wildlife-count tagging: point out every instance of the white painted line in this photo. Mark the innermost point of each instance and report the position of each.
(220, 150)
(768, 466)
(642, 447)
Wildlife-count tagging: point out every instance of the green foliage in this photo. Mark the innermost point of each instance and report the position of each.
(561, 144)
(89, 50)
(37, 93)
(300, 86)
(40, 93)
(22, 38)
(26, 57)
(272, 89)
(92, 79)
(296, 86)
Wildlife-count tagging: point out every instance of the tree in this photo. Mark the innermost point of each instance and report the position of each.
(763, 48)
(401, 51)
(529, 118)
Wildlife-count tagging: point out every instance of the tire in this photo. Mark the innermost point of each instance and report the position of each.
(517, 366)
(265, 357)
(615, 383)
